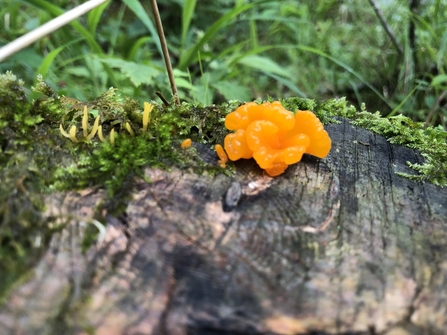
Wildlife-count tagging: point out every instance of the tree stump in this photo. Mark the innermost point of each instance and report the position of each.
(341, 245)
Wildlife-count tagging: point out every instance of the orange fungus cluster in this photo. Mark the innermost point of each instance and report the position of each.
(274, 136)
(223, 158)
(186, 143)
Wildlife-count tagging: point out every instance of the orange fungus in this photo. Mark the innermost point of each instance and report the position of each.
(223, 158)
(274, 136)
(186, 143)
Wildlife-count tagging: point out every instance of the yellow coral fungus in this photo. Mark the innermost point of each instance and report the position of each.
(100, 134)
(223, 158)
(112, 136)
(274, 136)
(129, 129)
(147, 110)
(94, 130)
(186, 143)
(63, 132)
(73, 129)
(85, 122)
(71, 135)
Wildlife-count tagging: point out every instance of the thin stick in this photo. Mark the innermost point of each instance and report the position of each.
(164, 48)
(25, 40)
(386, 27)
(162, 98)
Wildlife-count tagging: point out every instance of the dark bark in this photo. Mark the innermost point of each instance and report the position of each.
(341, 245)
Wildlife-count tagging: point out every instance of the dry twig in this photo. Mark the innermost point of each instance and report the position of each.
(386, 26)
(164, 47)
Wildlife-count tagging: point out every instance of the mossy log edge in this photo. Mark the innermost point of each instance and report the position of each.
(341, 245)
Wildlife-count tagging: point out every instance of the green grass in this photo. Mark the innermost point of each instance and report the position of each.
(224, 50)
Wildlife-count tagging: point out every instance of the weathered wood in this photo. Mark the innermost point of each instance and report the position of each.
(335, 246)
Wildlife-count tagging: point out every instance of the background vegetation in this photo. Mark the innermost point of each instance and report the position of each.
(244, 49)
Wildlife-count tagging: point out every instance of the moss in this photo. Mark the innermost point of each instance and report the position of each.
(24, 232)
(429, 141)
(16, 116)
(328, 110)
(111, 164)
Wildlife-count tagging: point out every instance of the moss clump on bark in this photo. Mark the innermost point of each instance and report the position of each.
(429, 141)
(25, 173)
(35, 159)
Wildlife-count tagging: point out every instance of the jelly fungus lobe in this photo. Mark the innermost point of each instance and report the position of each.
(274, 136)
(186, 143)
(223, 158)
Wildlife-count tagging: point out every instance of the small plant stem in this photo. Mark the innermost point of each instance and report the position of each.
(162, 98)
(164, 48)
(386, 26)
(47, 28)
(413, 4)
(434, 107)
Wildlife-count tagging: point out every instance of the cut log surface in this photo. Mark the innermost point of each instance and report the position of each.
(341, 245)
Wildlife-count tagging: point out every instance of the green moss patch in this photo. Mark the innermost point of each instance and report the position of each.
(25, 173)
(429, 141)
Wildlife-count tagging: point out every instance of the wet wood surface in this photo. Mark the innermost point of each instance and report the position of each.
(341, 245)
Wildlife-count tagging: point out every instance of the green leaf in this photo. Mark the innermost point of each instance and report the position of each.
(56, 11)
(137, 46)
(29, 57)
(344, 66)
(137, 73)
(136, 7)
(48, 60)
(398, 107)
(188, 11)
(288, 83)
(190, 55)
(235, 56)
(183, 83)
(232, 91)
(94, 15)
(202, 93)
(179, 73)
(263, 64)
(94, 112)
(79, 71)
(439, 79)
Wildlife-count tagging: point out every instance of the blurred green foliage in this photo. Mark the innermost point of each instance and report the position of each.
(244, 50)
